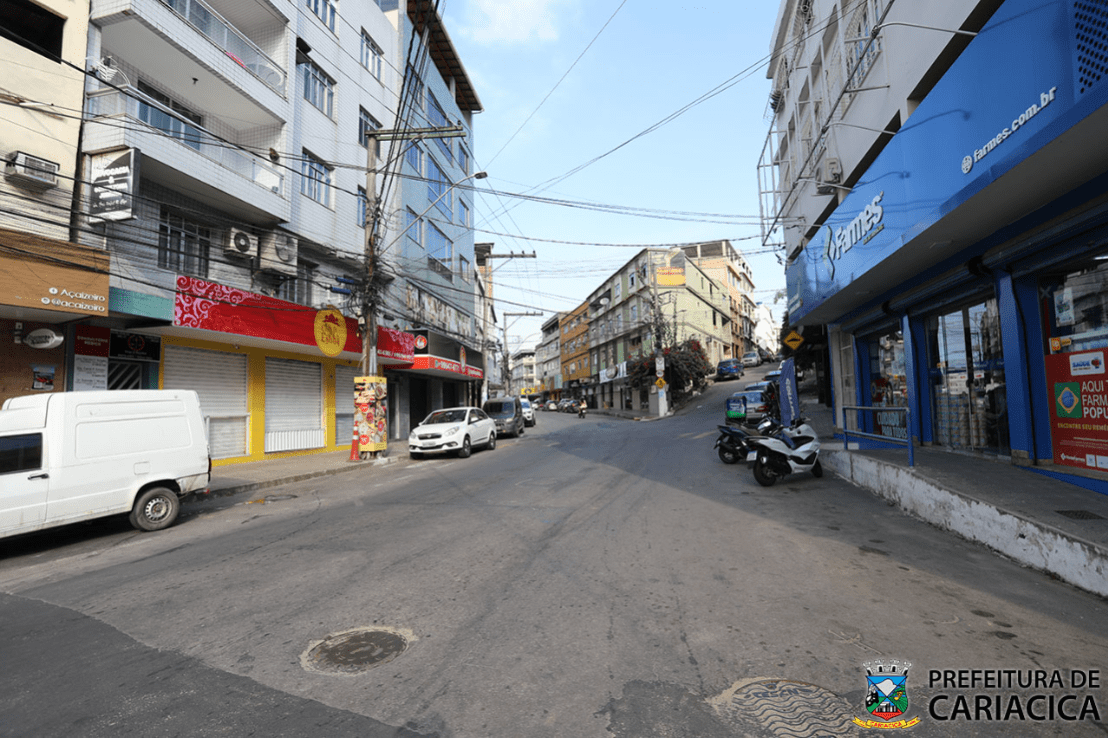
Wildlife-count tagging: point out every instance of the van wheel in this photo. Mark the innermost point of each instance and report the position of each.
(155, 509)
(466, 449)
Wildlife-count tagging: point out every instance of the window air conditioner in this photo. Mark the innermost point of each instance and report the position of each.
(31, 171)
(277, 252)
(239, 243)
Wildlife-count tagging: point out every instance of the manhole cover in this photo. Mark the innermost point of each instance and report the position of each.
(787, 708)
(355, 651)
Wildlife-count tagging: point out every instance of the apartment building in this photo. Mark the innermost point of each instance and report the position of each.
(548, 359)
(934, 177)
(727, 266)
(573, 327)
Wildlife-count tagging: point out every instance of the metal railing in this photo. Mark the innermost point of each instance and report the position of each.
(229, 40)
(847, 433)
(109, 102)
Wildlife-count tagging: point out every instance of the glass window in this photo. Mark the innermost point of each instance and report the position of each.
(437, 119)
(463, 268)
(463, 213)
(298, 289)
(183, 246)
(414, 157)
(319, 88)
(324, 10)
(20, 453)
(413, 227)
(1076, 306)
(167, 122)
(371, 55)
(438, 188)
(363, 206)
(413, 88)
(439, 248)
(367, 124)
(315, 180)
(463, 159)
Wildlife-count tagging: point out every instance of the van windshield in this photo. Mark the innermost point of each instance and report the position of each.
(500, 408)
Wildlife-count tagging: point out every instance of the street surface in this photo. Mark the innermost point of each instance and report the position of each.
(596, 577)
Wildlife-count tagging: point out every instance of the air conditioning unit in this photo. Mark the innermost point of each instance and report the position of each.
(830, 173)
(277, 252)
(239, 243)
(31, 171)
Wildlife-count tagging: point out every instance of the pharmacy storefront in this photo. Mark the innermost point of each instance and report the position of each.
(965, 276)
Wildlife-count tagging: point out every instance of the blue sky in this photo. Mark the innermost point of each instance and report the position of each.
(651, 60)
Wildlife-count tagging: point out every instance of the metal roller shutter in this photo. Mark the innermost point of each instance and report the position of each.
(344, 402)
(220, 380)
(293, 405)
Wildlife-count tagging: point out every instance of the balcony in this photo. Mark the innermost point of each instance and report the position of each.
(174, 149)
(196, 52)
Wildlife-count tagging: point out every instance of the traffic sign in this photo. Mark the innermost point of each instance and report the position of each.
(660, 383)
(794, 340)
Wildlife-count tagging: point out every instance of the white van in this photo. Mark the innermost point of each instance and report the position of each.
(67, 457)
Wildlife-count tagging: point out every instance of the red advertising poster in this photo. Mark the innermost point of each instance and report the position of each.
(395, 346)
(371, 411)
(212, 307)
(1076, 382)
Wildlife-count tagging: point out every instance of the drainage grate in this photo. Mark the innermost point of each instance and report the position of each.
(1081, 515)
(788, 708)
(354, 651)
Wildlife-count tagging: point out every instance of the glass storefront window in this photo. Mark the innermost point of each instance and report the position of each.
(966, 364)
(1075, 317)
(888, 383)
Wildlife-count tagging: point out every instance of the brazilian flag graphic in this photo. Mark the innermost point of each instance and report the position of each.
(1067, 399)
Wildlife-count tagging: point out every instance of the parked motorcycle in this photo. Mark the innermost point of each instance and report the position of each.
(781, 450)
(732, 443)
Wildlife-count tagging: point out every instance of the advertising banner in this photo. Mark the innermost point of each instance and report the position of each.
(371, 411)
(1078, 409)
(790, 398)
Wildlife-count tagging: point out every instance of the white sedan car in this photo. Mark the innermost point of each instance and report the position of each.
(452, 430)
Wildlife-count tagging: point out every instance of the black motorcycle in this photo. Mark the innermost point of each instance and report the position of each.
(733, 443)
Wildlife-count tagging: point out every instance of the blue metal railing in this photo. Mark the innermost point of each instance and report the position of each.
(880, 437)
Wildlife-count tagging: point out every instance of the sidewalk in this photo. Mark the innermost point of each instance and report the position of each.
(1012, 510)
(241, 478)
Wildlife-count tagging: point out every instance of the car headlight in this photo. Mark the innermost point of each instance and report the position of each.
(414, 435)
(452, 430)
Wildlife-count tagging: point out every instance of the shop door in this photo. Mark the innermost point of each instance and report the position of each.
(967, 379)
(293, 405)
(344, 402)
(125, 375)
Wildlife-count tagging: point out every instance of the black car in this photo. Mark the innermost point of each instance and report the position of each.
(508, 414)
(729, 369)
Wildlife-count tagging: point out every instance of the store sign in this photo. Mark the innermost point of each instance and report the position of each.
(115, 178)
(329, 329)
(91, 348)
(371, 412)
(43, 338)
(1078, 409)
(1045, 99)
(395, 345)
(861, 229)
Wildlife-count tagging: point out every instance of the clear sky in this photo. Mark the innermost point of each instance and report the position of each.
(564, 82)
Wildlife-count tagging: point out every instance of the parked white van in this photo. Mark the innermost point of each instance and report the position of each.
(67, 457)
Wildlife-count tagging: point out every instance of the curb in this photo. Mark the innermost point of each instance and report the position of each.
(1076, 561)
(288, 479)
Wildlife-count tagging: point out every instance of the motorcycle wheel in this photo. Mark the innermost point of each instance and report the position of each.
(728, 456)
(818, 469)
(765, 477)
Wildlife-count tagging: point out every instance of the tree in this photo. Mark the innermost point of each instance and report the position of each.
(687, 366)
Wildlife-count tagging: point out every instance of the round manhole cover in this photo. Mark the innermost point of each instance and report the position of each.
(354, 651)
(788, 708)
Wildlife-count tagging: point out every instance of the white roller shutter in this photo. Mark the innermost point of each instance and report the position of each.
(293, 405)
(220, 380)
(344, 402)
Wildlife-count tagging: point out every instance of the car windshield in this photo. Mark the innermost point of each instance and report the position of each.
(728, 363)
(455, 415)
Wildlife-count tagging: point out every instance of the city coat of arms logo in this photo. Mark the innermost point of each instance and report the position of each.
(887, 695)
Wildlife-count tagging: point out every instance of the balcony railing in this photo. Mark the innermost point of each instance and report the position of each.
(221, 33)
(143, 110)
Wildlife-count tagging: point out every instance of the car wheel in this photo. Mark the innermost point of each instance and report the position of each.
(415, 455)
(763, 475)
(492, 442)
(155, 509)
(466, 449)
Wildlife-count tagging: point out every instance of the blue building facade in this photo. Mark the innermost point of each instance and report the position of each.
(965, 275)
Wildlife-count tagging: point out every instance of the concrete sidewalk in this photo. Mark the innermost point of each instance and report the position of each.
(250, 476)
(1034, 519)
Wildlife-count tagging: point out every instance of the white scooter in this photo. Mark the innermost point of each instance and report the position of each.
(783, 450)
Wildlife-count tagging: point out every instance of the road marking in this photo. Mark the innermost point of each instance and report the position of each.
(706, 433)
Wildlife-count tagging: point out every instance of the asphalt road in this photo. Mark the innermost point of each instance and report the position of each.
(595, 577)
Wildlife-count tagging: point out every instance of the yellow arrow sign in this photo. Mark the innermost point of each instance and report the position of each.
(660, 383)
(794, 340)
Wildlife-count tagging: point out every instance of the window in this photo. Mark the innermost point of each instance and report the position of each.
(315, 180)
(413, 227)
(371, 55)
(363, 206)
(463, 268)
(32, 27)
(367, 124)
(319, 88)
(414, 157)
(463, 159)
(440, 251)
(324, 10)
(617, 289)
(463, 213)
(438, 188)
(20, 453)
(183, 246)
(414, 88)
(298, 289)
(166, 122)
(631, 281)
(437, 119)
